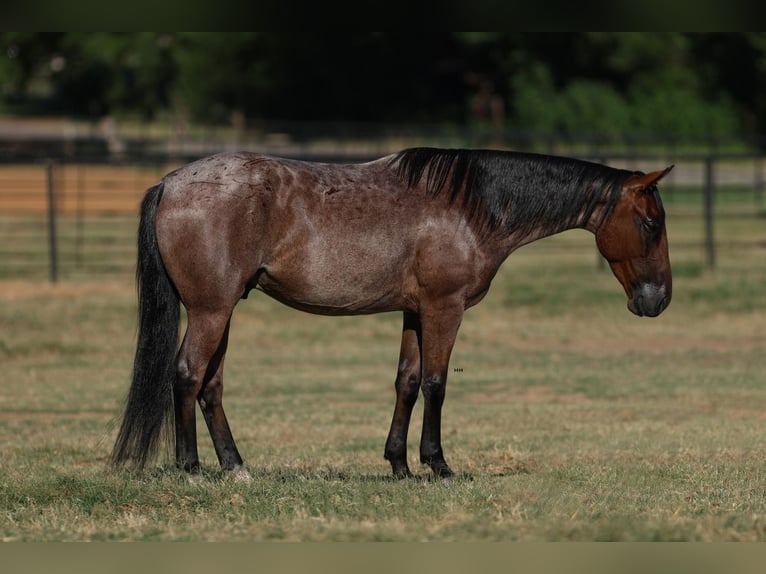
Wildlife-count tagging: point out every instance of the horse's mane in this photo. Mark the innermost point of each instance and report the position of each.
(514, 190)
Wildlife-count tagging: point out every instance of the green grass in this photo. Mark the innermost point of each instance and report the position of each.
(570, 419)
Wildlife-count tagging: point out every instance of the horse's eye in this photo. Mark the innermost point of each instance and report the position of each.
(651, 224)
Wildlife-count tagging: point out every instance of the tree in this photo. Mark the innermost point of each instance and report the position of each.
(696, 85)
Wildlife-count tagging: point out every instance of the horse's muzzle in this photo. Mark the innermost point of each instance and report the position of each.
(649, 300)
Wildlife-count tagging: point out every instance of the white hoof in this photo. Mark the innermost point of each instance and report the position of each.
(241, 474)
(195, 478)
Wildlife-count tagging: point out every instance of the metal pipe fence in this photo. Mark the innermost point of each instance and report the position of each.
(69, 219)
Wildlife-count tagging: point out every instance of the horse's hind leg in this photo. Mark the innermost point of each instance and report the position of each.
(407, 388)
(210, 401)
(200, 362)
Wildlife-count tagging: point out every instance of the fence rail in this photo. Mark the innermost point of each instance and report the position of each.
(65, 219)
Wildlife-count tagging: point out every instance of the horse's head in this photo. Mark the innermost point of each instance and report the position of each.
(634, 242)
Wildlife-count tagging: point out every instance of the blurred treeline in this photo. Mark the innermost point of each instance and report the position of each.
(686, 84)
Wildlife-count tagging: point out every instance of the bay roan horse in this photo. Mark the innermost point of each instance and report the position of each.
(423, 231)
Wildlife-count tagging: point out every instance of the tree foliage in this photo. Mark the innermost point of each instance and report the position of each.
(690, 84)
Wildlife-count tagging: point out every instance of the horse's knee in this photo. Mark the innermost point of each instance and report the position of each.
(433, 387)
(408, 379)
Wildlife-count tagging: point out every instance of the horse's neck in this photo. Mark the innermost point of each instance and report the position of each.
(515, 239)
(544, 225)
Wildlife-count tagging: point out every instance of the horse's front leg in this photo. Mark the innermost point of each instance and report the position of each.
(440, 326)
(407, 388)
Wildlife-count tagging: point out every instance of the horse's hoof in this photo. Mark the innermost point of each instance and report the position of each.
(441, 470)
(195, 478)
(241, 474)
(403, 474)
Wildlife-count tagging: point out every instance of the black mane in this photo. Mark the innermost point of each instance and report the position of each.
(518, 191)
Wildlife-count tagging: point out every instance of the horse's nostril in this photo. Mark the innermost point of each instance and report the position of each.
(663, 304)
(649, 300)
(652, 308)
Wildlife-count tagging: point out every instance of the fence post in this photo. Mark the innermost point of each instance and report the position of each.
(709, 205)
(52, 237)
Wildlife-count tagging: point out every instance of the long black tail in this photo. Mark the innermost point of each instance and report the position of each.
(149, 407)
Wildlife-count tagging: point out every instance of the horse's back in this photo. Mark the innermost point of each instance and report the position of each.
(323, 237)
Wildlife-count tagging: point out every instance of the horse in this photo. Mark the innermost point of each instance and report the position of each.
(422, 231)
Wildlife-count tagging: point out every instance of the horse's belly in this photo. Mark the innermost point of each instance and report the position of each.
(328, 292)
(335, 267)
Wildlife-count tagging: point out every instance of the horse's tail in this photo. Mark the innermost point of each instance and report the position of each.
(149, 407)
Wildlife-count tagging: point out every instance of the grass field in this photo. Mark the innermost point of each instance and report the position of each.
(567, 417)
(572, 419)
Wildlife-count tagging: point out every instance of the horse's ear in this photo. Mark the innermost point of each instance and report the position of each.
(646, 181)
